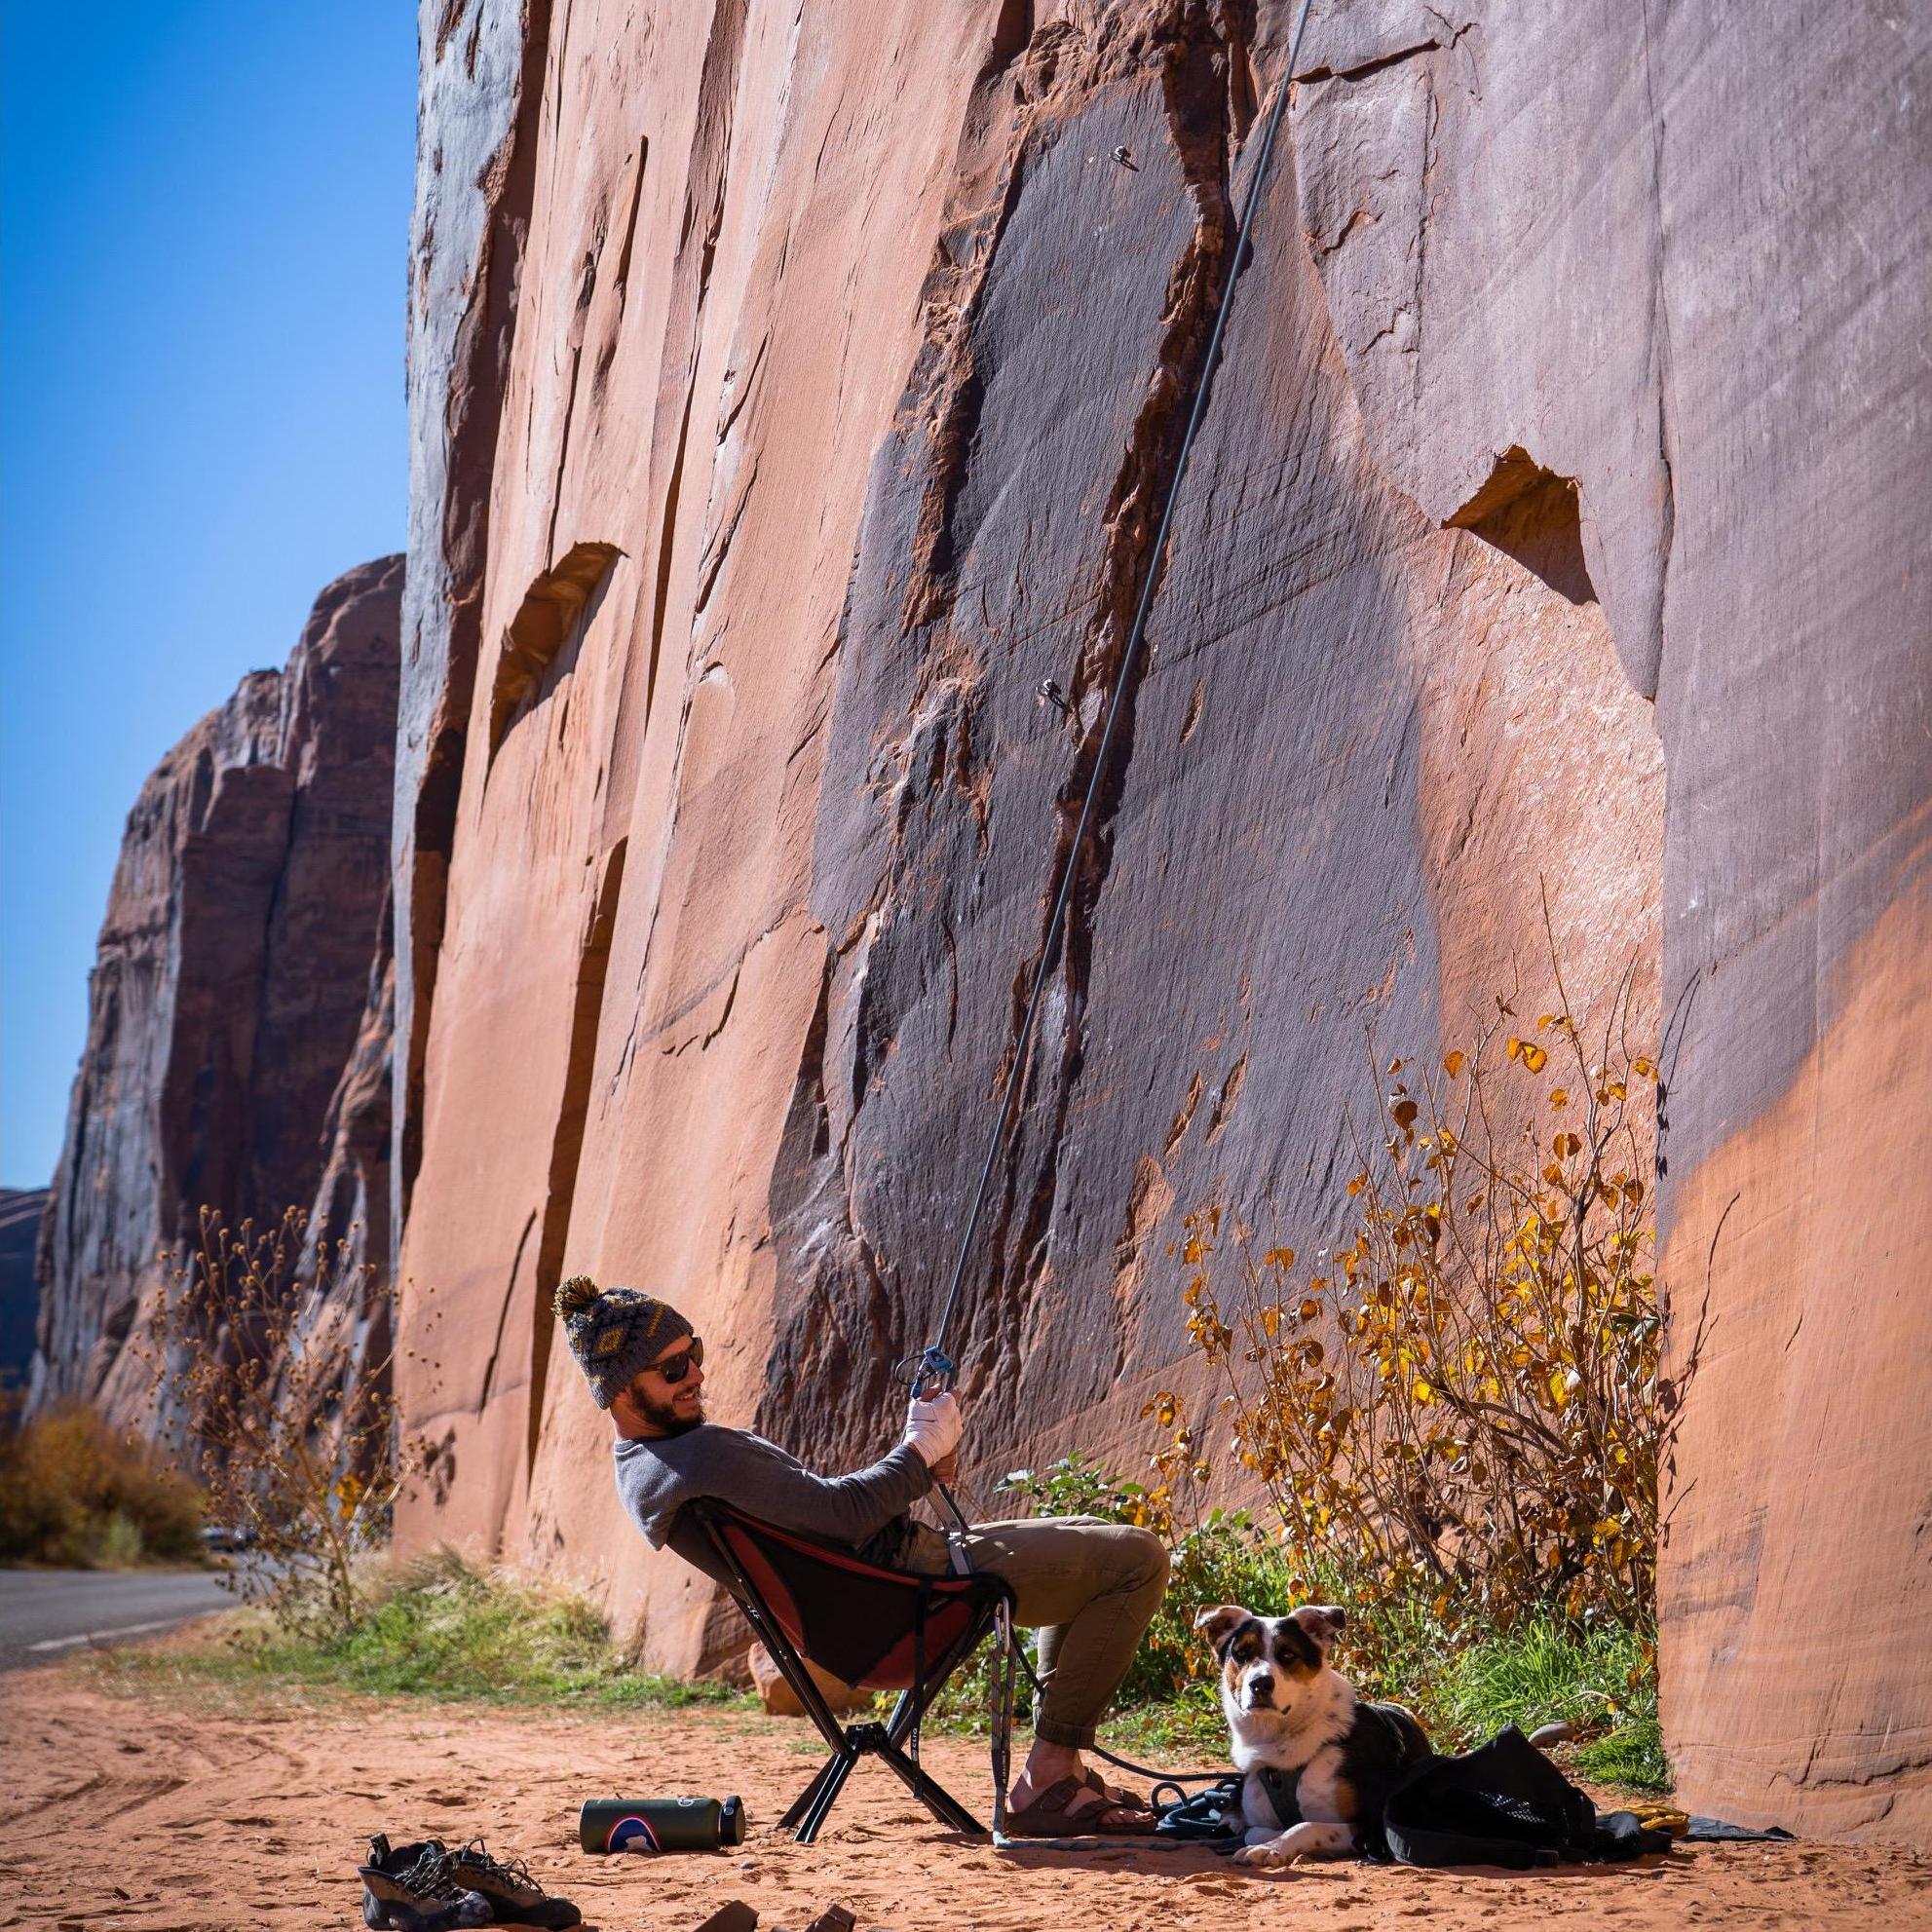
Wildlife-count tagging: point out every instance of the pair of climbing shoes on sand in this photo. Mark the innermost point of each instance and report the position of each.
(427, 1887)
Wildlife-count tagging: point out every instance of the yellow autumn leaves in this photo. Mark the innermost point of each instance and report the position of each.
(1528, 1053)
(1462, 1396)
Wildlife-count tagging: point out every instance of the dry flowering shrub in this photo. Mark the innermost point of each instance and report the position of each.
(1463, 1404)
(272, 1382)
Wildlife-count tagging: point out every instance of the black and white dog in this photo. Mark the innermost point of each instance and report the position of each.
(1319, 1762)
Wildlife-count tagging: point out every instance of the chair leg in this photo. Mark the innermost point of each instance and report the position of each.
(904, 1716)
(1004, 1671)
(929, 1792)
(802, 1803)
(833, 1782)
(794, 1670)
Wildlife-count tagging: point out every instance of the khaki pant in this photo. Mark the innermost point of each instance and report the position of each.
(1088, 1587)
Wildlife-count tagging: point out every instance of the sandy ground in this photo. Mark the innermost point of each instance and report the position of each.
(175, 1813)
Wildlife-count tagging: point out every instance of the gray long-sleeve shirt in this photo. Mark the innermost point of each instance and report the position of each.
(658, 1475)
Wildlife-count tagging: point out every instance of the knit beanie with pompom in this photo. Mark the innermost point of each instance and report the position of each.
(615, 1332)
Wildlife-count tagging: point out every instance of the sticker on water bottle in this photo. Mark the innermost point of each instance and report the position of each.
(632, 1834)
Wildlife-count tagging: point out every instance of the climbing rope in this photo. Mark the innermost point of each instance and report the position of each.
(933, 1368)
(1175, 1778)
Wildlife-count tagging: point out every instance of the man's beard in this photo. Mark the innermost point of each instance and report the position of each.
(664, 1418)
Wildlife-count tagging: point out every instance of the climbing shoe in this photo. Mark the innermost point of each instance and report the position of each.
(412, 1888)
(514, 1894)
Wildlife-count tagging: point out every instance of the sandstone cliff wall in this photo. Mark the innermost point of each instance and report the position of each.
(1682, 257)
(481, 68)
(1551, 521)
(230, 993)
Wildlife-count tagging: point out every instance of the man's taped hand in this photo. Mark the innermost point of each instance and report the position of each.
(933, 1425)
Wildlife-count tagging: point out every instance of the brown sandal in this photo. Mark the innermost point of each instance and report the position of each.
(1117, 1796)
(1055, 1814)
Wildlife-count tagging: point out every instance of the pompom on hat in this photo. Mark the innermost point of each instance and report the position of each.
(615, 1332)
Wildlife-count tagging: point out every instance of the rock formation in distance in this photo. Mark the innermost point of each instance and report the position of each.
(20, 1209)
(237, 1044)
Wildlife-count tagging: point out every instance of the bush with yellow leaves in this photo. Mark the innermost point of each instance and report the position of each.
(76, 1492)
(270, 1354)
(1462, 1406)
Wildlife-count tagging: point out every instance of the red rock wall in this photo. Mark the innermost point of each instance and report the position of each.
(229, 992)
(1646, 273)
(480, 85)
(838, 399)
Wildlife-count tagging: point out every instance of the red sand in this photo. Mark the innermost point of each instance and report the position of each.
(166, 1813)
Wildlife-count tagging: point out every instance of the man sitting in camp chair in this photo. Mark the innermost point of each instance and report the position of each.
(1089, 1587)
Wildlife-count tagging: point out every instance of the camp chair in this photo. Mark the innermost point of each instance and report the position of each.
(876, 1629)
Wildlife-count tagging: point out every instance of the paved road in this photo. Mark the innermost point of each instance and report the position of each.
(49, 1614)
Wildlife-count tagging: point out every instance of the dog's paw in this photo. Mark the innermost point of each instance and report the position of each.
(1264, 1857)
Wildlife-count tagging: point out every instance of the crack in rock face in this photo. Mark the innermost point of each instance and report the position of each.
(944, 625)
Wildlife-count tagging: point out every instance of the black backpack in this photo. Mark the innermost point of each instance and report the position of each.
(1504, 1804)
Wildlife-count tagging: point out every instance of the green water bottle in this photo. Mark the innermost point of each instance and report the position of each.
(660, 1824)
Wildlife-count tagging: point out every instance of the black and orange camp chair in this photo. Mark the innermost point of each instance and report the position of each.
(876, 1629)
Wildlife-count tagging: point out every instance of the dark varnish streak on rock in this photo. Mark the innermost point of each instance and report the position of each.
(950, 791)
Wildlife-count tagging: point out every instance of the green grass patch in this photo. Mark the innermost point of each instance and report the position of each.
(439, 1629)
(1601, 1681)
(442, 1629)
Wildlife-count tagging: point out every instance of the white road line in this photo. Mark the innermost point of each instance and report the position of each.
(99, 1636)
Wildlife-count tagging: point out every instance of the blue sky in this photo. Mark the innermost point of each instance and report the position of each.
(204, 240)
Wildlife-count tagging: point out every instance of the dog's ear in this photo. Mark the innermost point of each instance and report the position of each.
(1220, 1621)
(1321, 1622)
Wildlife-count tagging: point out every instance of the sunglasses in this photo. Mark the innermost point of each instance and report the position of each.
(678, 1367)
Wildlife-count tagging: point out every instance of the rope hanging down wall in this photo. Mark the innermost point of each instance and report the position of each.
(934, 1367)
